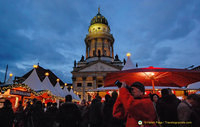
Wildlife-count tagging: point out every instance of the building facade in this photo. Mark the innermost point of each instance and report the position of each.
(90, 71)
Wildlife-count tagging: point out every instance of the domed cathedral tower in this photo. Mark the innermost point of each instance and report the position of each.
(99, 42)
(89, 73)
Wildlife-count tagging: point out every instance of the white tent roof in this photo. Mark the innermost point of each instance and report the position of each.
(195, 85)
(59, 91)
(198, 92)
(34, 82)
(9, 81)
(129, 64)
(65, 91)
(47, 84)
(74, 96)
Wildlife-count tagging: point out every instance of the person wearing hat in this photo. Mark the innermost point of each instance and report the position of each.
(134, 106)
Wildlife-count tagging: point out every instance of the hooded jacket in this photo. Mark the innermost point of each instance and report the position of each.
(134, 110)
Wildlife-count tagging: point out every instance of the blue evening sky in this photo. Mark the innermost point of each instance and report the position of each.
(160, 33)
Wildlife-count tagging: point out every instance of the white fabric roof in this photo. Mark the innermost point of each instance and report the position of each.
(74, 96)
(47, 84)
(65, 91)
(9, 81)
(198, 92)
(107, 88)
(195, 85)
(58, 90)
(34, 82)
(129, 64)
(146, 87)
(161, 87)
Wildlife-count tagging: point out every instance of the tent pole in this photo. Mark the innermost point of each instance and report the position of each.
(152, 80)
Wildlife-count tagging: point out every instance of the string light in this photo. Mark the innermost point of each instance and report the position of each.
(35, 66)
(46, 74)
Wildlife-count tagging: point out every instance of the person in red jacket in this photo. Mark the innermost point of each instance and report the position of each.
(134, 106)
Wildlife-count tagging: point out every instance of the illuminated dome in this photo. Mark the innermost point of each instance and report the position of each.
(99, 19)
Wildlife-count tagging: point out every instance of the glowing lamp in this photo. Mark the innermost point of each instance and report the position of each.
(150, 73)
(46, 74)
(128, 54)
(65, 84)
(35, 66)
(10, 74)
(58, 80)
(71, 87)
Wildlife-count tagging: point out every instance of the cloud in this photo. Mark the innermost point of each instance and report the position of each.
(156, 32)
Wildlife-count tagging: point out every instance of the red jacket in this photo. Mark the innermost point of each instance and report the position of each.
(133, 109)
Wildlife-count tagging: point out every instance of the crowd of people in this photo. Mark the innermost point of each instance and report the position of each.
(131, 108)
(68, 114)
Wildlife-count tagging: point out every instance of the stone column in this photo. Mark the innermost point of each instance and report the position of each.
(84, 84)
(112, 52)
(92, 45)
(94, 82)
(74, 83)
(103, 47)
(86, 51)
(95, 47)
(109, 49)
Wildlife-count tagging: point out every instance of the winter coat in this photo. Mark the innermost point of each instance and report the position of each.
(167, 108)
(184, 111)
(95, 113)
(6, 117)
(133, 109)
(69, 115)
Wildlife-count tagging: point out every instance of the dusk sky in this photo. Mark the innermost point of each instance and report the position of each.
(160, 33)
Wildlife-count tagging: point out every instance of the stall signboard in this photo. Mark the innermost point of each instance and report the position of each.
(22, 93)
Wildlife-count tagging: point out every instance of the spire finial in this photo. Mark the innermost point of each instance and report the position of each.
(99, 9)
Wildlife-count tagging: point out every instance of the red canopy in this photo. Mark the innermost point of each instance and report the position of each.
(160, 76)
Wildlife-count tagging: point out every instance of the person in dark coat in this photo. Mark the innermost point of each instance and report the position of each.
(107, 111)
(95, 112)
(37, 115)
(69, 114)
(187, 111)
(6, 114)
(195, 116)
(27, 114)
(115, 121)
(84, 107)
(167, 107)
(19, 115)
(51, 114)
(133, 105)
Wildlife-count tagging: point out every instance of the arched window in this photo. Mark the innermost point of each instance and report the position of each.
(99, 53)
(94, 53)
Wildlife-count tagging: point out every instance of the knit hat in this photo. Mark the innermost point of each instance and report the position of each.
(139, 85)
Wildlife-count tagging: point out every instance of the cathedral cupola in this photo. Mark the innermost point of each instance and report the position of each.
(99, 42)
(99, 19)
